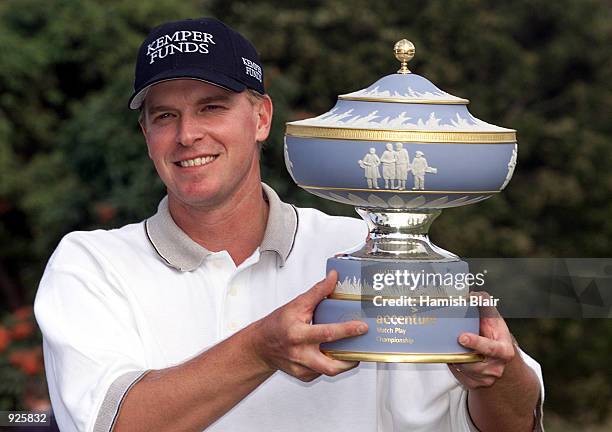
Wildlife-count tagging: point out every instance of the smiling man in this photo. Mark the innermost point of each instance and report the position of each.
(212, 174)
(200, 316)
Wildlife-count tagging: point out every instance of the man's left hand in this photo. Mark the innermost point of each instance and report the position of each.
(495, 343)
(503, 390)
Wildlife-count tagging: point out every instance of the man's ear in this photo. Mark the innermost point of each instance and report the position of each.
(264, 118)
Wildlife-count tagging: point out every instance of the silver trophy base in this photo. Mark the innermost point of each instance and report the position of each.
(400, 235)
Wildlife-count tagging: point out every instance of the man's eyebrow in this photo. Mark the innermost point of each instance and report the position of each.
(157, 108)
(203, 101)
(217, 98)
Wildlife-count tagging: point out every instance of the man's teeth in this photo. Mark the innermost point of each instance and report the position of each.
(197, 161)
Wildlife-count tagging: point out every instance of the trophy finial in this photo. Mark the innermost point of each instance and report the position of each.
(404, 51)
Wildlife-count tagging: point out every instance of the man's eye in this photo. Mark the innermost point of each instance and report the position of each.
(212, 107)
(163, 116)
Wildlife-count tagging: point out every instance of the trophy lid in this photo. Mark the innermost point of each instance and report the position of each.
(402, 106)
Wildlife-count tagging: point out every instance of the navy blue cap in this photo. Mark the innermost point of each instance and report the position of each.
(204, 49)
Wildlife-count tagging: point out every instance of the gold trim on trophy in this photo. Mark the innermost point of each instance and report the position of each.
(404, 51)
(469, 357)
(406, 100)
(404, 136)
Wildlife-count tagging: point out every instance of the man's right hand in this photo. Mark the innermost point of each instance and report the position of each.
(286, 340)
(194, 394)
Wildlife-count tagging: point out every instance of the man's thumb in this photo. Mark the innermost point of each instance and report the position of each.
(321, 289)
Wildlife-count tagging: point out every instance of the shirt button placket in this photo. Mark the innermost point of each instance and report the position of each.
(232, 306)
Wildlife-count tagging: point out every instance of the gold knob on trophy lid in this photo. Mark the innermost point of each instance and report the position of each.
(404, 51)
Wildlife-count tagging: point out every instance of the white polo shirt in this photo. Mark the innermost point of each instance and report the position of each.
(114, 304)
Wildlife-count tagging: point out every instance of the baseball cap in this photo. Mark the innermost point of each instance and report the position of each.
(204, 49)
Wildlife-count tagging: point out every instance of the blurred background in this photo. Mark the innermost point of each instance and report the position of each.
(72, 157)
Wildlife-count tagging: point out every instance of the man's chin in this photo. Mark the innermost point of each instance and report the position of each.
(200, 198)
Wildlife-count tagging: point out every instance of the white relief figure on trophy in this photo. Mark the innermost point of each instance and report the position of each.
(388, 162)
(511, 166)
(288, 162)
(402, 165)
(419, 168)
(370, 163)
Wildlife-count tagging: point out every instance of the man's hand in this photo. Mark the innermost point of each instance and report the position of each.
(286, 340)
(199, 391)
(503, 389)
(495, 343)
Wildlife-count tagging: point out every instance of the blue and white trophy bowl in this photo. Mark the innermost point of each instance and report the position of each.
(400, 151)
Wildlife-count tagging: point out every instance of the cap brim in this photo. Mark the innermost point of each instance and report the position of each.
(206, 76)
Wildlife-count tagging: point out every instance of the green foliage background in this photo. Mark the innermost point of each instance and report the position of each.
(71, 154)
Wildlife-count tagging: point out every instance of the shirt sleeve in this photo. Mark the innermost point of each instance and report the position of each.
(92, 350)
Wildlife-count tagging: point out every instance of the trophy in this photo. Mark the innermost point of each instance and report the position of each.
(400, 151)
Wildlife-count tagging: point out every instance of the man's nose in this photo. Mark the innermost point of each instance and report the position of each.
(190, 130)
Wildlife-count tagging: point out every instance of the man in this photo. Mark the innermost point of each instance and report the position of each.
(402, 166)
(199, 317)
(388, 163)
(370, 164)
(419, 168)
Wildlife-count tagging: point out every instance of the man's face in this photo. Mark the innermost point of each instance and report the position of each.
(203, 139)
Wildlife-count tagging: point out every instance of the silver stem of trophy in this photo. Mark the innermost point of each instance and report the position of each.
(397, 234)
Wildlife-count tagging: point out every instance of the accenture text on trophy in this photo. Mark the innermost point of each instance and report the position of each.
(399, 281)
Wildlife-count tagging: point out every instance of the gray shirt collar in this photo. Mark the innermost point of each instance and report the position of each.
(178, 250)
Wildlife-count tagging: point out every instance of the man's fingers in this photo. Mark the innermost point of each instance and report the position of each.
(319, 291)
(487, 347)
(325, 365)
(321, 333)
(470, 379)
(303, 373)
(486, 311)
